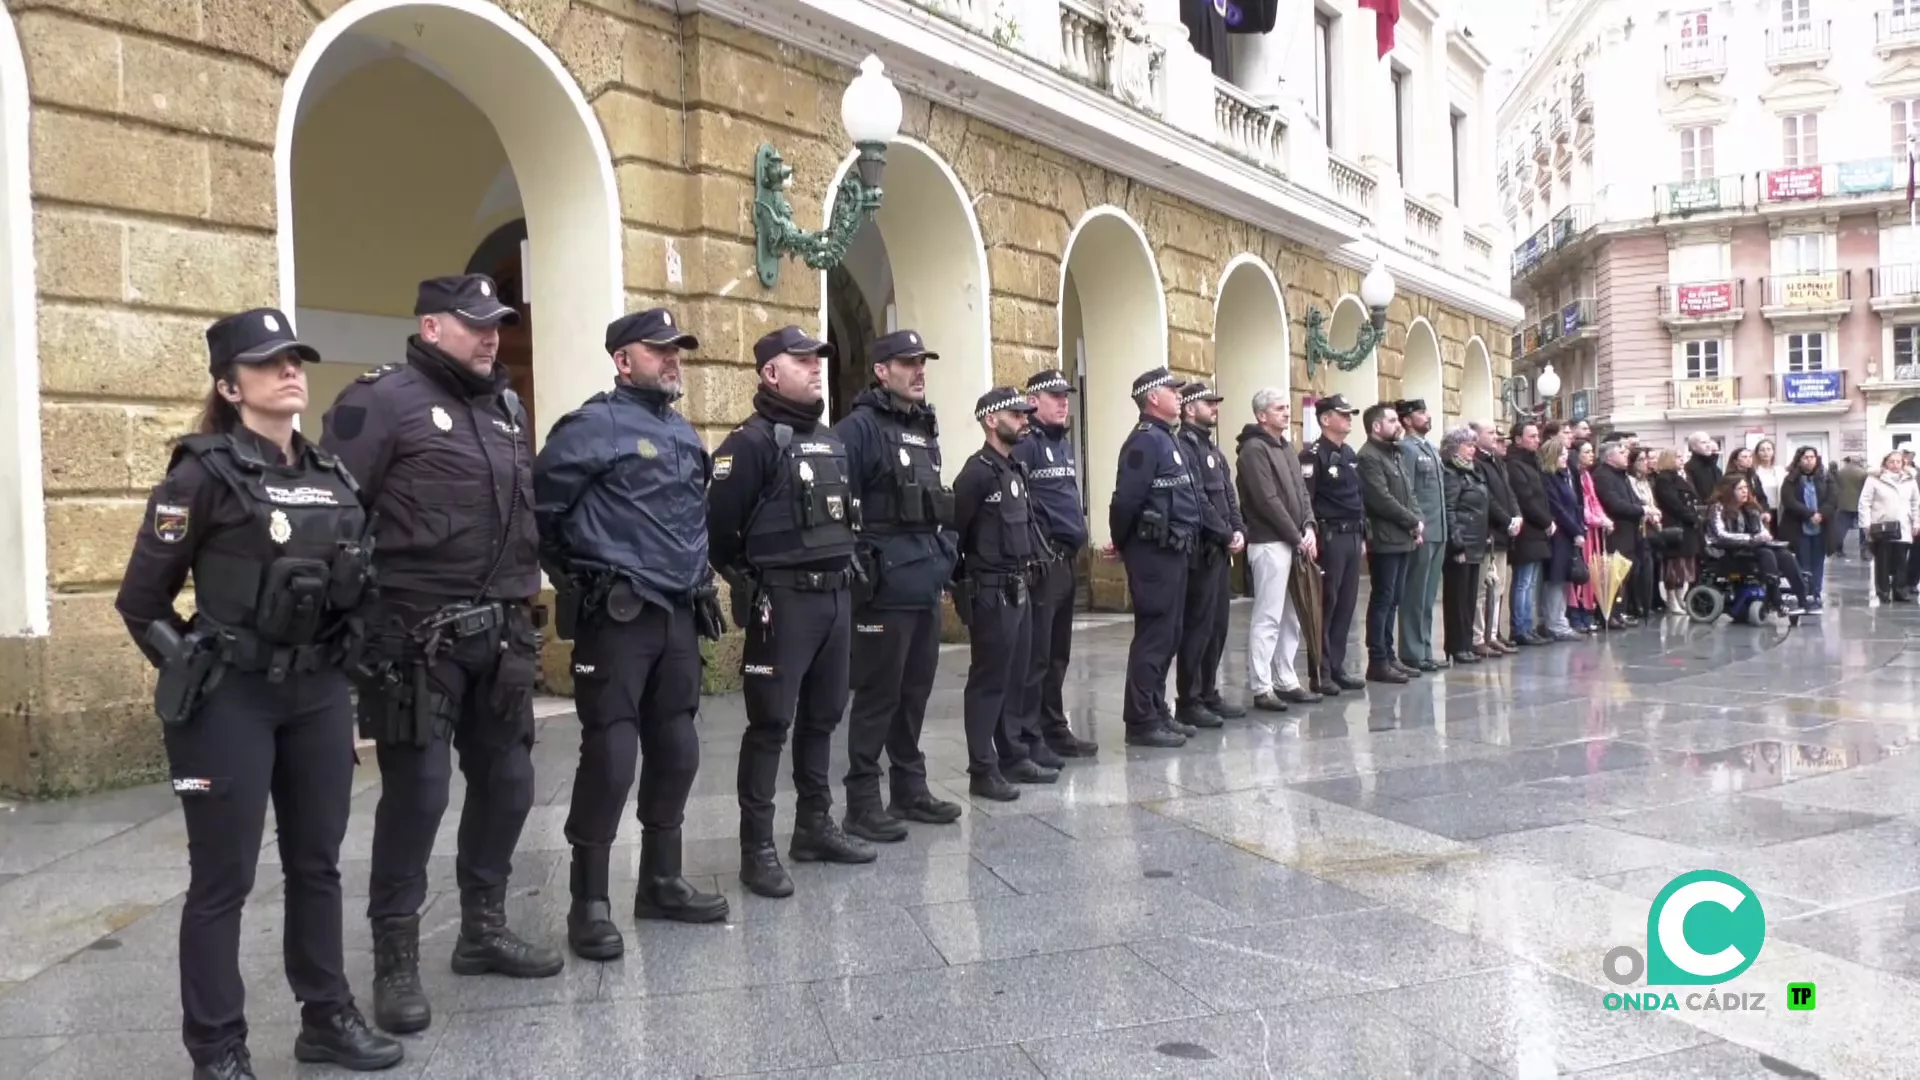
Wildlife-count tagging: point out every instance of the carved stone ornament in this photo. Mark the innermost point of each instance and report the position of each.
(1131, 54)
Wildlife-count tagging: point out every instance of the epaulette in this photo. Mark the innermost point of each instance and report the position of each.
(1142, 426)
(377, 373)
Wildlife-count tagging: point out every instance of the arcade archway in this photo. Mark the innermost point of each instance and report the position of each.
(1477, 398)
(1250, 343)
(366, 210)
(1361, 386)
(23, 522)
(1421, 375)
(1113, 326)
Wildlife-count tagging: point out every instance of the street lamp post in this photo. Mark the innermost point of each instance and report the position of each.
(870, 111)
(1376, 291)
(1548, 385)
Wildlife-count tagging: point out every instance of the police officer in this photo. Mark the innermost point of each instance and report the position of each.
(1001, 555)
(1223, 534)
(1054, 475)
(620, 498)
(440, 447)
(252, 697)
(783, 519)
(1332, 471)
(1155, 521)
(907, 552)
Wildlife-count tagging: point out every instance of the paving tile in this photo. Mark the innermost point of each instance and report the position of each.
(975, 930)
(1737, 823)
(988, 1063)
(1586, 850)
(672, 958)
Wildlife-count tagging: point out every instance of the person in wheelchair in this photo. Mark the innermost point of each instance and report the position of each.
(1736, 533)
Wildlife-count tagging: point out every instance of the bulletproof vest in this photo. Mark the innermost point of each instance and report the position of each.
(913, 496)
(300, 563)
(1003, 532)
(807, 514)
(1207, 471)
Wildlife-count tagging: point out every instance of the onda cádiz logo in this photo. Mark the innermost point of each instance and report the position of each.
(1705, 928)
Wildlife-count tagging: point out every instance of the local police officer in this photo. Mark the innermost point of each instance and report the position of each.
(1223, 533)
(620, 497)
(1332, 472)
(1054, 474)
(1001, 554)
(783, 521)
(907, 551)
(1155, 521)
(440, 447)
(252, 698)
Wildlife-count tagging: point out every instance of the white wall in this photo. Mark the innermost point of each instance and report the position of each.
(23, 530)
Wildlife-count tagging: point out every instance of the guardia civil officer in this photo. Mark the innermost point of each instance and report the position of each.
(782, 519)
(1001, 554)
(1332, 473)
(1223, 533)
(1155, 521)
(1054, 476)
(441, 450)
(620, 498)
(907, 553)
(252, 695)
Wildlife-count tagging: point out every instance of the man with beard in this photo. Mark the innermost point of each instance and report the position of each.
(620, 496)
(441, 451)
(783, 527)
(1197, 700)
(907, 554)
(1000, 551)
(1054, 473)
(1424, 566)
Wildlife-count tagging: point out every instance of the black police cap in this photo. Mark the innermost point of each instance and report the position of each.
(1198, 390)
(254, 337)
(1049, 382)
(654, 326)
(1153, 377)
(1333, 403)
(901, 345)
(473, 298)
(790, 339)
(1001, 399)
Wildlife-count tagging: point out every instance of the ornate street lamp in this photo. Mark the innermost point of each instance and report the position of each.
(1376, 291)
(870, 111)
(1548, 385)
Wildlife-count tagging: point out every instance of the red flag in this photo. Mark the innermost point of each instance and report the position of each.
(1386, 13)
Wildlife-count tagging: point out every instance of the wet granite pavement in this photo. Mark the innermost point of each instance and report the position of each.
(1415, 880)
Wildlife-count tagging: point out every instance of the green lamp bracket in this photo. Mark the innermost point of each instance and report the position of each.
(776, 236)
(1321, 351)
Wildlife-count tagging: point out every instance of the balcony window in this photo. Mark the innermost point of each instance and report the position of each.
(1905, 114)
(1695, 44)
(1906, 352)
(1400, 123)
(1805, 253)
(1696, 153)
(1456, 124)
(1703, 359)
(1796, 16)
(1806, 352)
(1800, 139)
(1323, 73)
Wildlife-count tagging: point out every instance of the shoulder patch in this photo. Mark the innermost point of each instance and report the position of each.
(723, 466)
(1143, 426)
(346, 421)
(169, 522)
(380, 372)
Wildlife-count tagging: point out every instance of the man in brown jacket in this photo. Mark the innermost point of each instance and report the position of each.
(1279, 518)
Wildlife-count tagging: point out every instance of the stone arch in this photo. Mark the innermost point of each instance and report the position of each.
(1361, 386)
(23, 521)
(1110, 272)
(557, 168)
(1251, 342)
(1423, 376)
(1478, 398)
(935, 264)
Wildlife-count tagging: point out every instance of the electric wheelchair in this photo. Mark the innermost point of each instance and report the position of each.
(1732, 584)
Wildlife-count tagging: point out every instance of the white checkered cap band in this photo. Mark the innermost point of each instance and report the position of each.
(1196, 394)
(1055, 383)
(998, 406)
(1164, 380)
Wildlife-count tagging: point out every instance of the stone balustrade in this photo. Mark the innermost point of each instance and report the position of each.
(1245, 127)
(1423, 230)
(1352, 185)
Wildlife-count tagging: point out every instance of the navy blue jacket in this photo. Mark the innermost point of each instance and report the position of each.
(1047, 453)
(621, 485)
(1153, 474)
(909, 564)
(1333, 481)
(1219, 504)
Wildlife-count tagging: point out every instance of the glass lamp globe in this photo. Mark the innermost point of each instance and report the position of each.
(871, 108)
(1549, 382)
(1376, 289)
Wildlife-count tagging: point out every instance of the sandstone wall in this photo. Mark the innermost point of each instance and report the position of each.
(153, 184)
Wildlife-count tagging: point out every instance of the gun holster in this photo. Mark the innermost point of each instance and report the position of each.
(963, 594)
(569, 600)
(743, 589)
(190, 669)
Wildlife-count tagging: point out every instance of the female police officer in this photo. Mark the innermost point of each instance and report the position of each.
(251, 695)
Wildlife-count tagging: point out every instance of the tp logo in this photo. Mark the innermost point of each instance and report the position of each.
(1704, 928)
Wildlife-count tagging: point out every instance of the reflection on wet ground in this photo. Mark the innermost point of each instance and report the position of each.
(1417, 880)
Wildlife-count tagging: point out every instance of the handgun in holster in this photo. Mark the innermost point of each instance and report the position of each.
(1151, 527)
(569, 600)
(190, 668)
(963, 594)
(743, 588)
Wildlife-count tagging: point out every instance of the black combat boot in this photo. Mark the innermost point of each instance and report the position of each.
(487, 946)
(1195, 716)
(344, 1039)
(761, 872)
(816, 838)
(399, 1004)
(663, 893)
(1065, 743)
(591, 933)
(232, 1064)
(875, 825)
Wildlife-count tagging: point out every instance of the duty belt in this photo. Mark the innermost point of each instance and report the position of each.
(244, 650)
(807, 580)
(460, 621)
(1342, 525)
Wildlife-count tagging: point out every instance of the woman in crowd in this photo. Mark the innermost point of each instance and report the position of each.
(1889, 511)
(1644, 585)
(1734, 523)
(1585, 600)
(1809, 516)
(1769, 473)
(1469, 517)
(1680, 509)
(1740, 463)
(1570, 527)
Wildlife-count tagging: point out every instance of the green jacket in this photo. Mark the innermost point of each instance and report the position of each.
(1385, 489)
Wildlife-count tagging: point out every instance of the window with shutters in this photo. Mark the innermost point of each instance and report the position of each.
(1806, 352)
(1799, 139)
(1696, 153)
(1703, 359)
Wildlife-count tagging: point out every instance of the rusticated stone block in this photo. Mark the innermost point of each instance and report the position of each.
(718, 394)
(71, 62)
(656, 197)
(190, 90)
(122, 354)
(1012, 364)
(755, 85)
(592, 46)
(1024, 274)
(639, 129)
(79, 256)
(726, 143)
(88, 540)
(1011, 223)
(1187, 311)
(169, 18)
(84, 448)
(241, 186)
(1026, 322)
(85, 159)
(722, 205)
(269, 33)
(651, 55)
(191, 269)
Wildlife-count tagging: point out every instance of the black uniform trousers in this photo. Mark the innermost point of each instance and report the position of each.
(1000, 636)
(795, 674)
(493, 733)
(249, 741)
(1157, 586)
(1043, 699)
(1340, 575)
(636, 686)
(895, 657)
(1203, 623)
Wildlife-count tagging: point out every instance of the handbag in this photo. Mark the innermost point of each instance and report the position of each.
(1577, 573)
(1669, 538)
(1885, 530)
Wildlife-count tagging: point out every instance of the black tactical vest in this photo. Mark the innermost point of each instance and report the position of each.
(913, 497)
(1004, 538)
(806, 515)
(299, 565)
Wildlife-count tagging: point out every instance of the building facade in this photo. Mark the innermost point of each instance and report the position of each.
(1726, 247)
(1095, 186)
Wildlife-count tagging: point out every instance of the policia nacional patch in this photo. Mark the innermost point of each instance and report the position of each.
(169, 523)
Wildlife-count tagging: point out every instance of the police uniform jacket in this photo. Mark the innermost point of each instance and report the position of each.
(781, 506)
(620, 487)
(1332, 473)
(993, 514)
(446, 464)
(1153, 476)
(1047, 453)
(1220, 506)
(1391, 517)
(1428, 484)
(265, 538)
(906, 510)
